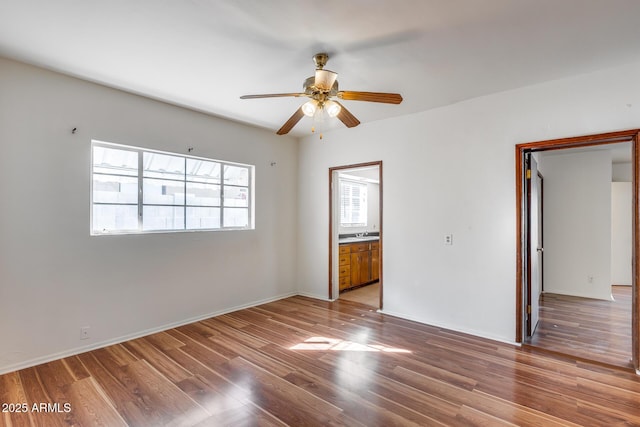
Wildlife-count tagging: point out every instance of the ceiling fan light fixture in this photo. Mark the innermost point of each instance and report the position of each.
(321, 88)
(333, 108)
(325, 79)
(309, 108)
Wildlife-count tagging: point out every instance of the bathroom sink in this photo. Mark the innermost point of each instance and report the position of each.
(359, 239)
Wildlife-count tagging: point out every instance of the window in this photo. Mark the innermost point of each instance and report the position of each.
(137, 190)
(353, 203)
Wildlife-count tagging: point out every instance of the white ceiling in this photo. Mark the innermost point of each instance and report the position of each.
(620, 152)
(204, 54)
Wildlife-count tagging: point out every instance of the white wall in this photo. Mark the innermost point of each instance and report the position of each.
(460, 163)
(621, 233)
(577, 223)
(55, 278)
(622, 172)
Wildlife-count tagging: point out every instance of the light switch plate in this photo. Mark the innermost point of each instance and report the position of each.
(84, 333)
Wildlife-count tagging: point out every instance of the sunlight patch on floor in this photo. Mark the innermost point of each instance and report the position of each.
(334, 344)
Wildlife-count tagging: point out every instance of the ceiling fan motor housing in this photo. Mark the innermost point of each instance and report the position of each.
(310, 88)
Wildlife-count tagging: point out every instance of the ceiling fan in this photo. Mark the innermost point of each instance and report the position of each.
(323, 89)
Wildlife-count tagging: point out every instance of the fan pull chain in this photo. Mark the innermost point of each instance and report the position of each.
(318, 120)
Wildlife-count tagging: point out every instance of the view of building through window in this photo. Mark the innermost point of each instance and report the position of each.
(138, 190)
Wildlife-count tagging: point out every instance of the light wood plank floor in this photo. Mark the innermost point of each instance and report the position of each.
(368, 295)
(587, 328)
(301, 361)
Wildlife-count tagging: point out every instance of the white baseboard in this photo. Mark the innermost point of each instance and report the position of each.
(451, 328)
(94, 346)
(314, 296)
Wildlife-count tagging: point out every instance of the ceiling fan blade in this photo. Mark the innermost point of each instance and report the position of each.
(272, 95)
(346, 117)
(387, 98)
(293, 120)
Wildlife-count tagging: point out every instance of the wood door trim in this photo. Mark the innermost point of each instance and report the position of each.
(632, 136)
(353, 166)
(541, 228)
(527, 258)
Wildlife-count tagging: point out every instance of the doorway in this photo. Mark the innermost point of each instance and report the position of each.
(528, 246)
(355, 233)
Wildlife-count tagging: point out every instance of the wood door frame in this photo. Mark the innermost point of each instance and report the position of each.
(631, 136)
(331, 171)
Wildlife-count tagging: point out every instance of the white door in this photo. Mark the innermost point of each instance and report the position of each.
(540, 247)
(535, 246)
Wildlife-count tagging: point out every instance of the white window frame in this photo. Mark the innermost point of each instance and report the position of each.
(363, 200)
(185, 204)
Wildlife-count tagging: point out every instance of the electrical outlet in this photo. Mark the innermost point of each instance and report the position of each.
(84, 333)
(448, 239)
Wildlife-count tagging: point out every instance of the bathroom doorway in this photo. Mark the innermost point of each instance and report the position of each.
(355, 233)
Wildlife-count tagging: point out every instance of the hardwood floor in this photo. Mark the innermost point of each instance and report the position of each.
(367, 295)
(301, 361)
(587, 328)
